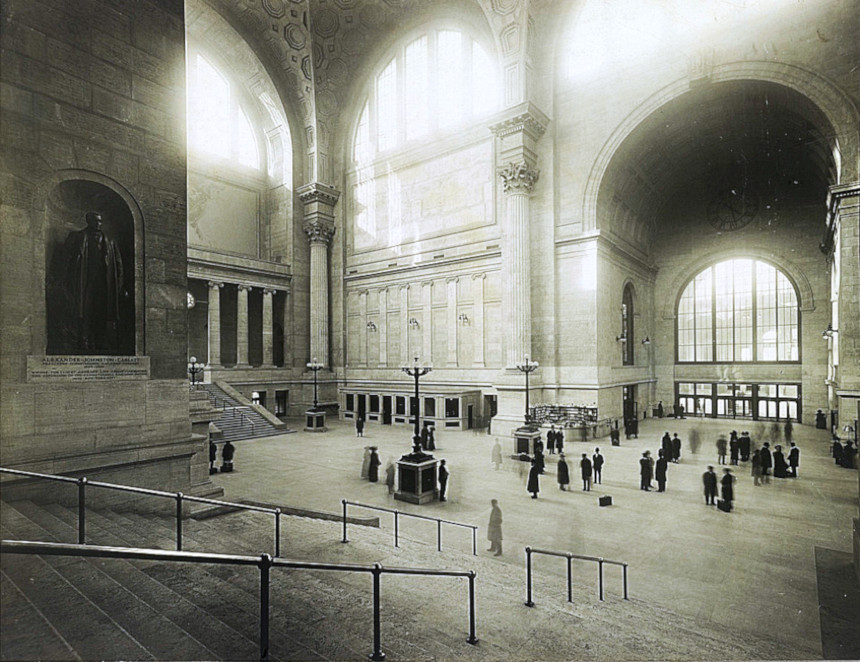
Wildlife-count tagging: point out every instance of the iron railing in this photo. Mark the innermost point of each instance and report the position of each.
(83, 483)
(264, 562)
(569, 556)
(397, 514)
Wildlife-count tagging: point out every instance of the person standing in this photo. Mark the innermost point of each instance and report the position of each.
(788, 430)
(494, 528)
(373, 467)
(745, 442)
(645, 472)
(709, 479)
(213, 455)
(559, 440)
(550, 440)
(228, 450)
(562, 473)
(676, 449)
(734, 448)
(443, 479)
(431, 437)
(365, 464)
(425, 436)
(585, 466)
(597, 465)
(497, 454)
(721, 449)
(666, 445)
(794, 459)
(766, 462)
(359, 426)
(534, 481)
(836, 449)
(539, 460)
(660, 471)
(728, 492)
(780, 468)
(756, 467)
(389, 477)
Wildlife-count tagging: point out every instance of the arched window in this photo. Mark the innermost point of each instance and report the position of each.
(627, 325)
(738, 311)
(440, 80)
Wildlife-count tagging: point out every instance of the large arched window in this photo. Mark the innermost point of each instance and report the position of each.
(438, 81)
(739, 310)
(627, 325)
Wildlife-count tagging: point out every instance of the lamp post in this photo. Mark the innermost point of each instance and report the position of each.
(315, 366)
(416, 371)
(195, 369)
(527, 367)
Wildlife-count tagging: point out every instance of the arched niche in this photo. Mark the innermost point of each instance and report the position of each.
(67, 199)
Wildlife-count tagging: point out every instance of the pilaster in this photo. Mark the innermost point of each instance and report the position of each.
(383, 327)
(362, 328)
(214, 324)
(451, 320)
(242, 326)
(268, 328)
(427, 331)
(404, 325)
(478, 318)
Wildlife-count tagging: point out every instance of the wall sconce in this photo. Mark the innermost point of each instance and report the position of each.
(463, 318)
(827, 334)
(413, 322)
(646, 340)
(371, 326)
(621, 338)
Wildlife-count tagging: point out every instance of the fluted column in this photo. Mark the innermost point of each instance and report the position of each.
(478, 318)
(404, 325)
(215, 323)
(242, 326)
(451, 320)
(285, 325)
(362, 328)
(268, 329)
(427, 330)
(319, 201)
(383, 327)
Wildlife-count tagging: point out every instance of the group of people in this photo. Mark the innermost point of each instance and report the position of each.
(591, 469)
(709, 479)
(844, 454)
(763, 460)
(554, 440)
(228, 450)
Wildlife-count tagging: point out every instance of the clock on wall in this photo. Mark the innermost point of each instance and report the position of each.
(190, 301)
(732, 209)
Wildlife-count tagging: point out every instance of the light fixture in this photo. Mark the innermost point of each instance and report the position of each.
(464, 318)
(413, 322)
(646, 340)
(827, 334)
(621, 338)
(371, 326)
(195, 370)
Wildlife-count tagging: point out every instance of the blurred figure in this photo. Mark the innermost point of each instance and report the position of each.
(359, 426)
(766, 462)
(443, 479)
(431, 438)
(389, 476)
(848, 453)
(734, 450)
(585, 465)
(645, 472)
(597, 465)
(695, 441)
(494, 528)
(728, 492)
(550, 440)
(756, 467)
(660, 471)
(562, 473)
(497, 454)
(709, 480)
(373, 468)
(836, 450)
(780, 468)
(559, 440)
(540, 462)
(534, 480)
(775, 432)
(365, 465)
(721, 449)
(788, 430)
(666, 445)
(794, 459)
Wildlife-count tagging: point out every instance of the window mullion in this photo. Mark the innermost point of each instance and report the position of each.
(754, 312)
(714, 314)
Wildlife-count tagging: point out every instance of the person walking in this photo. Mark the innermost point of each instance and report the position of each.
(494, 528)
(585, 466)
(756, 467)
(721, 449)
(597, 465)
(645, 472)
(709, 479)
(793, 459)
(695, 440)
(443, 479)
(389, 477)
(373, 467)
(766, 462)
(788, 430)
(534, 480)
(676, 449)
(562, 473)
(728, 492)
(660, 471)
(497, 454)
(365, 464)
(550, 440)
(559, 440)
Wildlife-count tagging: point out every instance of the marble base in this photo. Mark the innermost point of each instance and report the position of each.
(524, 440)
(417, 478)
(315, 421)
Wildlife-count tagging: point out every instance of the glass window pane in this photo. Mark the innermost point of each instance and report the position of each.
(484, 92)
(685, 388)
(416, 79)
(450, 92)
(363, 151)
(246, 142)
(209, 110)
(788, 390)
(386, 106)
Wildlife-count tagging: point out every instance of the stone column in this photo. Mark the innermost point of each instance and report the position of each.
(427, 331)
(478, 318)
(451, 320)
(383, 327)
(404, 326)
(268, 329)
(242, 326)
(215, 324)
(362, 328)
(285, 325)
(319, 201)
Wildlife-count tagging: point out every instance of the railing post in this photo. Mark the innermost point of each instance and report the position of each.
(474, 541)
(439, 535)
(569, 578)
(265, 564)
(529, 602)
(82, 510)
(600, 577)
(343, 501)
(277, 532)
(179, 521)
(624, 568)
(472, 638)
(377, 650)
(396, 529)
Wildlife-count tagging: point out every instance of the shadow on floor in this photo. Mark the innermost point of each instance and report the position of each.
(838, 604)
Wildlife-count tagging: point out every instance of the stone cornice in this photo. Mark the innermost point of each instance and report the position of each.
(318, 192)
(519, 177)
(525, 117)
(835, 195)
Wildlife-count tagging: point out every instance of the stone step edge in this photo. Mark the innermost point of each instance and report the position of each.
(215, 511)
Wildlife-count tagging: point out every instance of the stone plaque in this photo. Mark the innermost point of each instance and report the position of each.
(58, 369)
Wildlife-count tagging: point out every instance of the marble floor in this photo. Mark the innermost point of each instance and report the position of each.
(752, 570)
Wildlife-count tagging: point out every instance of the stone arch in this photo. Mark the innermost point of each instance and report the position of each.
(48, 205)
(805, 299)
(830, 100)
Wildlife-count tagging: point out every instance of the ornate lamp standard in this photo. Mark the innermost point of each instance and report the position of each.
(526, 435)
(527, 367)
(194, 370)
(315, 416)
(416, 372)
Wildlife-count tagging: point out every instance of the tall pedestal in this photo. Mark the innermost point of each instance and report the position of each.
(315, 421)
(417, 478)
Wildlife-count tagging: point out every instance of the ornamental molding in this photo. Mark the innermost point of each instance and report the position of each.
(835, 195)
(526, 118)
(318, 192)
(519, 178)
(319, 233)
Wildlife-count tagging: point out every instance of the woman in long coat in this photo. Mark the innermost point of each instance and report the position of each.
(728, 492)
(494, 529)
(533, 484)
(562, 474)
(780, 468)
(373, 468)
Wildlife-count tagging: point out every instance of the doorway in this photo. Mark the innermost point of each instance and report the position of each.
(386, 410)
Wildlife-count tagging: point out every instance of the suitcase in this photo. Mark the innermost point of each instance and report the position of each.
(725, 506)
(605, 500)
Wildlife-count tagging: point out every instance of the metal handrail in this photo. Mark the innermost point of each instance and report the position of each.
(397, 513)
(569, 556)
(179, 497)
(245, 417)
(264, 562)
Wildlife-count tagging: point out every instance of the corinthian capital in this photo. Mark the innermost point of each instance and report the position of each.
(319, 232)
(519, 178)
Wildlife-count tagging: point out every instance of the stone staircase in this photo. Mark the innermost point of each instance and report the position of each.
(237, 420)
(72, 608)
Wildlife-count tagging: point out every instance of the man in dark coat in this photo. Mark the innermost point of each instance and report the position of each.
(666, 445)
(727, 482)
(676, 449)
(585, 466)
(228, 450)
(533, 485)
(373, 467)
(213, 455)
(780, 468)
(721, 449)
(425, 435)
(734, 449)
(645, 474)
(794, 459)
(359, 426)
(745, 443)
(443, 479)
(539, 460)
(848, 453)
(709, 479)
(562, 473)
(494, 528)
(766, 462)
(431, 438)
(597, 465)
(550, 440)
(837, 451)
(756, 467)
(660, 471)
